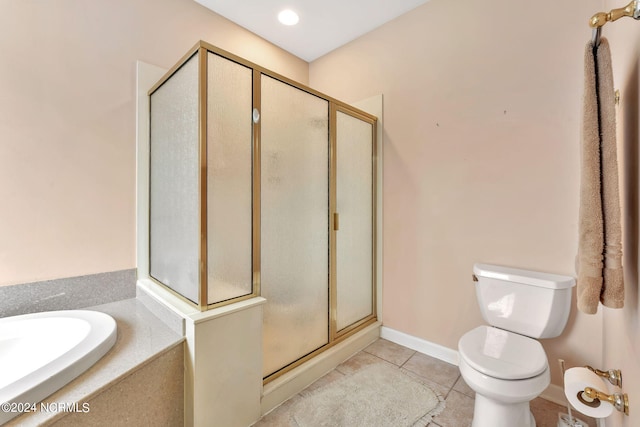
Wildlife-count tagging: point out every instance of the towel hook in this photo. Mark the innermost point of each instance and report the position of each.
(599, 19)
(595, 36)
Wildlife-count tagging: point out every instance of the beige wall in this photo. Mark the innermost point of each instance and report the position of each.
(67, 123)
(481, 157)
(622, 327)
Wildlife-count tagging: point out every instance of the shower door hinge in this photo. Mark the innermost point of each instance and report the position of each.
(336, 221)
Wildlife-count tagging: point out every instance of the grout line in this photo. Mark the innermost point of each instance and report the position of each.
(450, 389)
(382, 358)
(405, 362)
(378, 357)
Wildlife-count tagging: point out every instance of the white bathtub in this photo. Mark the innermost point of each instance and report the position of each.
(41, 352)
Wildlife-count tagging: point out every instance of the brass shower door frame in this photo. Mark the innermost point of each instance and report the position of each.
(202, 49)
(334, 227)
(334, 336)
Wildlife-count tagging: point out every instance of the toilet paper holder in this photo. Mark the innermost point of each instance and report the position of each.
(592, 397)
(614, 376)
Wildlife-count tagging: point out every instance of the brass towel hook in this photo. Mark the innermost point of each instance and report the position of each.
(632, 10)
(599, 19)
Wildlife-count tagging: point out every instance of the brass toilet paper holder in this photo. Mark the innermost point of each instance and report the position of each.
(592, 397)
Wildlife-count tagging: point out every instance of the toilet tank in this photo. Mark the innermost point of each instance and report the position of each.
(527, 302)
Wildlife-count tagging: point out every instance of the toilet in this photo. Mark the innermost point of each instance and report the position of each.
(503, 362)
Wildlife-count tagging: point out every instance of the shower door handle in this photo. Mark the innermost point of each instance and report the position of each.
(336, 221)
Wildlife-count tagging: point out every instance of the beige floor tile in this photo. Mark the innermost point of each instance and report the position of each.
(391, 352)
(463, 388)
(359, 361)
(434, 369)
(458, 413)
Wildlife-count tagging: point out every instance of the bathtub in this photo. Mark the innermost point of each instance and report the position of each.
(41, 352)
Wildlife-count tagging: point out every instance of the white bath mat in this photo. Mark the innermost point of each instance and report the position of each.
(379, 395)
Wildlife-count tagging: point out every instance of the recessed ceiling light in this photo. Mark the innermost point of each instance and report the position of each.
(288, 17)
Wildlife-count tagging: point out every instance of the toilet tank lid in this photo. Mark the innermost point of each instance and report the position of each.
(527, 277)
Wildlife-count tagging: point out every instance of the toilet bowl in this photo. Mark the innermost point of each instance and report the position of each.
(504, 386)
(503, 363)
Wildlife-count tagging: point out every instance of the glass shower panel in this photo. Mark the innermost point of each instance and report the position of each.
(354, 203)
(229, 159)
(174, 200)
(294, 223)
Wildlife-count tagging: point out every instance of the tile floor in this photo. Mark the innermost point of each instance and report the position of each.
(441, 376)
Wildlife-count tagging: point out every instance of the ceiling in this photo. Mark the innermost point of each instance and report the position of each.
(324, 24)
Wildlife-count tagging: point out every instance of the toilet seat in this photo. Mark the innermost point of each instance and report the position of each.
(502, 354)
(504, 391)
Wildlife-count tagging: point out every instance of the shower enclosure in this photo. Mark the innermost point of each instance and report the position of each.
(262, 186)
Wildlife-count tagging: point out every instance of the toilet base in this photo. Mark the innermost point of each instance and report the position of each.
(491, 413)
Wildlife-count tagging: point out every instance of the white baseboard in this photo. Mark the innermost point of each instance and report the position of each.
(555, 393)
(418, 344)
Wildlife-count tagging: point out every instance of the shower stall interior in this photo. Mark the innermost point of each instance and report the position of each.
(260, 186)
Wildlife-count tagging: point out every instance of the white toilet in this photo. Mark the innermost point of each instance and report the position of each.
(503, 363)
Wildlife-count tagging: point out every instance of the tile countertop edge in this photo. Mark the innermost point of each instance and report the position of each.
(142, 338)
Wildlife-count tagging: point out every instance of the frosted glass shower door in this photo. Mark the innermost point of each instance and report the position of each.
(174, 204)
(229, 179)
(294, 223)
(354, 204)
